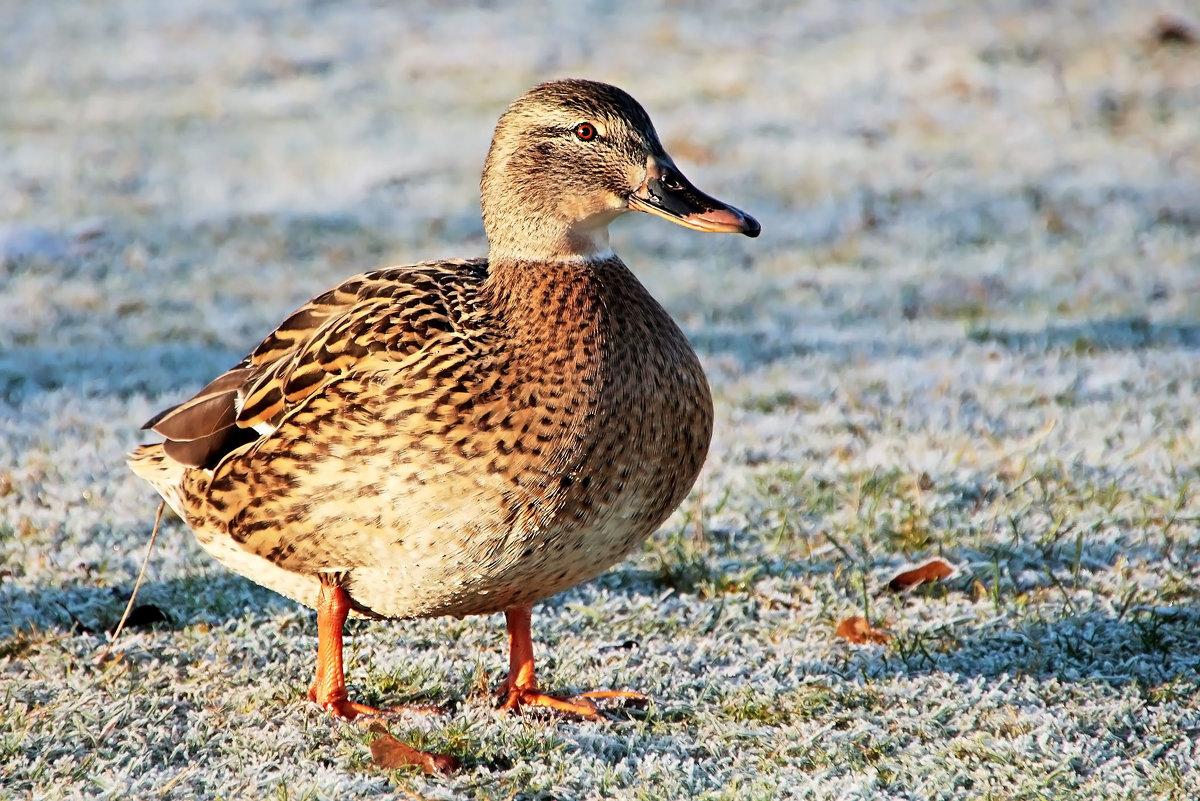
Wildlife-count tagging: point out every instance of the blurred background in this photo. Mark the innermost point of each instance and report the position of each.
(969, 329)
(936, 143)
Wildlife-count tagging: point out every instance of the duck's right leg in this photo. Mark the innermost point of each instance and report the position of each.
(329, 687)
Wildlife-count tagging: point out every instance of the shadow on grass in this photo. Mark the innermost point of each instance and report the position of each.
(756, 346)
(212, 599)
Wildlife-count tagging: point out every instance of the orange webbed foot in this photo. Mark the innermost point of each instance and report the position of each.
(339, 705)
(343, 707)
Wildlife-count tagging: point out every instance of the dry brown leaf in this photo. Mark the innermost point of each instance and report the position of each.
(388, 752)
(933, 570)
(857, 630)
(978, 591)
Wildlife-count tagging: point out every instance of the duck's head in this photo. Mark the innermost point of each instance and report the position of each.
(569, 157)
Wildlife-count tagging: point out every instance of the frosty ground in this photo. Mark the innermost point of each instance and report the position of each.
(970, 329)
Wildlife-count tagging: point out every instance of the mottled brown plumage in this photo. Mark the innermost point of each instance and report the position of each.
(464, 437)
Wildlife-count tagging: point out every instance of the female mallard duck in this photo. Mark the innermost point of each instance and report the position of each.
(464, 437)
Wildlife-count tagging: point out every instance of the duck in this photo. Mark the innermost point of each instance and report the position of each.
(465, 436)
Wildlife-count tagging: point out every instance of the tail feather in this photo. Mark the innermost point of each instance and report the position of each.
(151, 463)
(156, 466)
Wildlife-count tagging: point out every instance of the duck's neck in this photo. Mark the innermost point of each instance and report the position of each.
(543, 241)
(537, 295)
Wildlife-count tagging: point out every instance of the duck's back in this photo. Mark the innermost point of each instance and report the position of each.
(451, 438)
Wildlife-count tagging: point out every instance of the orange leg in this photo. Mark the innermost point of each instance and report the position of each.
(329, 687)
(521, 685)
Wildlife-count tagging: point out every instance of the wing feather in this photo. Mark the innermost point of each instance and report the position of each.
(387, 314)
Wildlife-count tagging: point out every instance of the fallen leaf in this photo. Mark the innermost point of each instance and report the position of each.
(388, 752)
(912, 576)
(857, 630)
(978, 591)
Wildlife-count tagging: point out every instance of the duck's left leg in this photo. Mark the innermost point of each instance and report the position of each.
(521, 687)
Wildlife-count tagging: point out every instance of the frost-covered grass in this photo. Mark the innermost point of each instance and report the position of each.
(970, 329)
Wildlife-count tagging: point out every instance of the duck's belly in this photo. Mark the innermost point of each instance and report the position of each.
(550, 544)
(433, 547)
(523, 569)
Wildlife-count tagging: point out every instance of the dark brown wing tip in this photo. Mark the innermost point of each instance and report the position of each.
(207, 452)
(200, 418)
(156, 419)
(188, 454)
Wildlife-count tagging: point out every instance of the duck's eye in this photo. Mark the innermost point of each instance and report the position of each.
(585, 131)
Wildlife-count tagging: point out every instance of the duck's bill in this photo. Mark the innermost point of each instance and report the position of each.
(669, 195)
